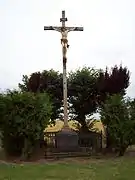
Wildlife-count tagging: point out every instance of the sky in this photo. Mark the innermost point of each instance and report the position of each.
(108, 37)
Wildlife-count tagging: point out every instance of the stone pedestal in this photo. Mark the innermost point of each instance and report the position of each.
(67, 140)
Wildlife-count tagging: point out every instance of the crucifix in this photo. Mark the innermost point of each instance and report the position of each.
(64, 42)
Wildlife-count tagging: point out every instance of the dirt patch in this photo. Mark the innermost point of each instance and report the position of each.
(77, 160)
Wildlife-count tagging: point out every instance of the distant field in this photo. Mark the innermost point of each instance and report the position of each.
(81, 169)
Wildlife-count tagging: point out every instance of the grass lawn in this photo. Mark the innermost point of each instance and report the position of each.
(80, 169)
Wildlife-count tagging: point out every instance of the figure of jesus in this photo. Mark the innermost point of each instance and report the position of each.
(64, 41)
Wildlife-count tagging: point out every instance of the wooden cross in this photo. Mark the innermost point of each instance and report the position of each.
(64, 41)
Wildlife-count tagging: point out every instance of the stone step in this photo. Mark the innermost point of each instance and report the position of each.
(67, 155)
(78, 150)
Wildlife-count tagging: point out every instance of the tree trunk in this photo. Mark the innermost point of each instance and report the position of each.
(122, 150)
(122, 147)
(27, 150)
(84, 126)
(108, 141)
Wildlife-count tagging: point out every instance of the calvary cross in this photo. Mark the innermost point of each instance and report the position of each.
(64, 41)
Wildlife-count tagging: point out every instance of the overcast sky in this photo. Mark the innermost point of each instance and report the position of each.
(108, 37)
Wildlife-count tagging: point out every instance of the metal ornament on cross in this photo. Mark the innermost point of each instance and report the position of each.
(64, 41)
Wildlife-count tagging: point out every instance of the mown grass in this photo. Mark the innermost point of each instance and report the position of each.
(88, 169)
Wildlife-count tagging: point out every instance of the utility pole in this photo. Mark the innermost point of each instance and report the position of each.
(64, 41)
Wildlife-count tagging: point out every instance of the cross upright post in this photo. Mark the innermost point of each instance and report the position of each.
(64, 41)
(63, 19)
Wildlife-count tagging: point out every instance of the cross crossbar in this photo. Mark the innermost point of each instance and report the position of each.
(63, 19)
(59, 28)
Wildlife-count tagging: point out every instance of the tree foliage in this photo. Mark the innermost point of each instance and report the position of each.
(83, 93)
(23, 118)
(114, 82)
(87, 89)
(24, 86)
(48, 81)
(117, 117)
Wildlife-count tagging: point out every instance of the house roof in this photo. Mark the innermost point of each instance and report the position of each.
(73, 125)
